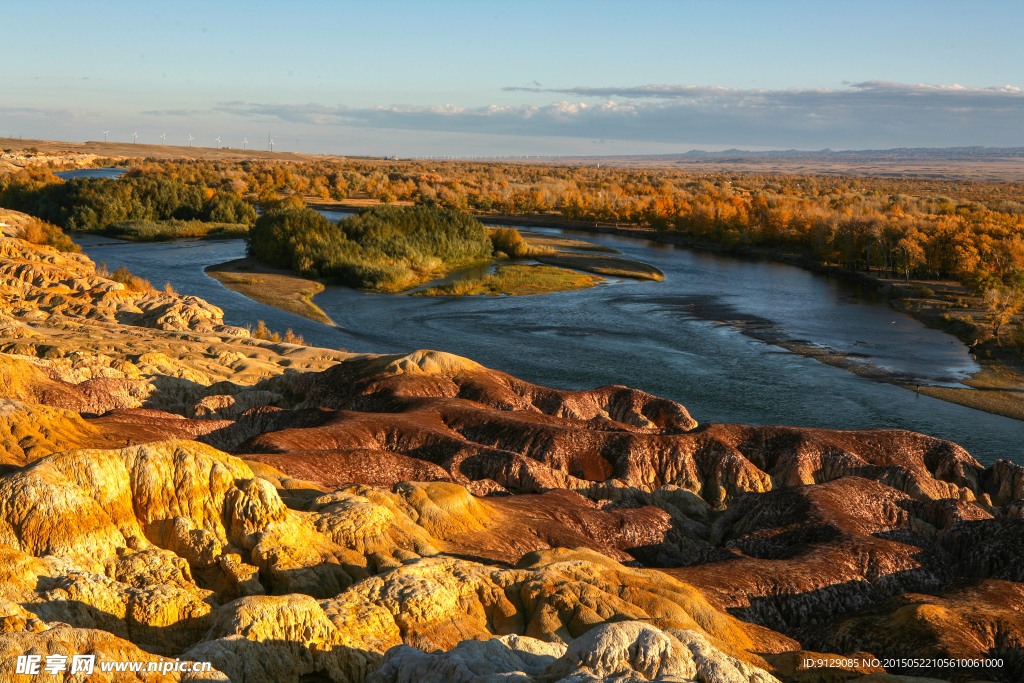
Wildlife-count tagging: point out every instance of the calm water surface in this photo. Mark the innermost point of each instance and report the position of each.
(682, 338)
(92, 173)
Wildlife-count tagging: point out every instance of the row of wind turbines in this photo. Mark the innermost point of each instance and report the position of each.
(163, 140)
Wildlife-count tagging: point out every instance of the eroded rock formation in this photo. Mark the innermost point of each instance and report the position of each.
(170, 488)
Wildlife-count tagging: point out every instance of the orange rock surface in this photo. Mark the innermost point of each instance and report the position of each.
(170, 487)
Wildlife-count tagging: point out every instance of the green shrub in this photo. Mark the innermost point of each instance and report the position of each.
(280, 233)
(383, 248)
(90, 204)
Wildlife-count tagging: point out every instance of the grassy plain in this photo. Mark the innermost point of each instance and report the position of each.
(961, 163)
(159, 231)
(968, 163)
(516, 280)
(72, 152)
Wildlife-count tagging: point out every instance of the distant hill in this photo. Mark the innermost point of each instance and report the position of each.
(961, 163)
(940, 152)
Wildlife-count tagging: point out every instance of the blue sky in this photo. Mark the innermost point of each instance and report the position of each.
(476, 78)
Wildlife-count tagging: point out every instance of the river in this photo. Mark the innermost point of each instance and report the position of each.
(702, 337)
(91, 173)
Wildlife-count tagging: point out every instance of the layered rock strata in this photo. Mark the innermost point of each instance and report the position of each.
(172, 489)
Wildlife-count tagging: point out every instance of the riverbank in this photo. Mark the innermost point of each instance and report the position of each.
(948, 306)
(995, 389)
(570, 255)
(998, 387)
(278, 288)
(541, 240)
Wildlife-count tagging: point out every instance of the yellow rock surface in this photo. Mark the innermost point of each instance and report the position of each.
(151, 543)
(30, 431)
(555, 597)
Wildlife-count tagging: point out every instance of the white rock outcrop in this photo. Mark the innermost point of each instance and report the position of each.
(621, 652)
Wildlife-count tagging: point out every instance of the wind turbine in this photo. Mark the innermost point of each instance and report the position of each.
(190, 139)
(163, 139)
(271, 145)
(218, 141)
(245, 141)
(136, 136)
(105, 135)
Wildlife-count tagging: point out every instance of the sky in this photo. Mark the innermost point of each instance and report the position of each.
(516, 78)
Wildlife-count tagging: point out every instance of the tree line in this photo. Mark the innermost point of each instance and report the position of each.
(90, 205)
(968, 231)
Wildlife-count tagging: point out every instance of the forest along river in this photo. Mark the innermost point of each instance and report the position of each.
(697, 338)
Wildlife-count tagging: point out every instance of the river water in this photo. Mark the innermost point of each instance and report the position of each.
(91, 173)
(702, 337)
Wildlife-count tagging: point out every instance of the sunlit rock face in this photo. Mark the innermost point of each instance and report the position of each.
(41, 284)
(170, 488)
(181, 549)
(622, 651)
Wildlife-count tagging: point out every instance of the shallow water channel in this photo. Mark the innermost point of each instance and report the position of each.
(707, 337)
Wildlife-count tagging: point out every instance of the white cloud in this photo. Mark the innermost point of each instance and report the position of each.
(177, 112)
(44, 112)
(867, 114)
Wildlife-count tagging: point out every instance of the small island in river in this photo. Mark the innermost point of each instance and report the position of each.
(426, 251)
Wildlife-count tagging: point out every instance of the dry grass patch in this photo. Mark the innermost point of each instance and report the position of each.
(277, 288)
(603, 265)
(517, 280)
(535, 239)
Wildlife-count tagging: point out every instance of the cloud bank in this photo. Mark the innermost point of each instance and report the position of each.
(870, 114)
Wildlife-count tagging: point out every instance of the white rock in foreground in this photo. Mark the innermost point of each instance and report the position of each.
(622, 652)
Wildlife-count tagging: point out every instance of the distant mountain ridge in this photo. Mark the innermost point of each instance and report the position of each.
(998, 164)
(944, 152)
